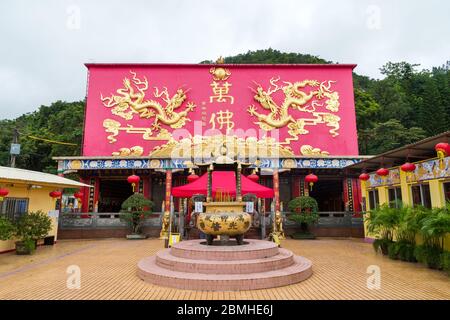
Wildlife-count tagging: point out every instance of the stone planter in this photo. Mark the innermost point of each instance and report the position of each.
(136, 236)
(23, 249)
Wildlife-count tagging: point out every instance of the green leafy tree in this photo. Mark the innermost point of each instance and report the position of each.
(135, 209)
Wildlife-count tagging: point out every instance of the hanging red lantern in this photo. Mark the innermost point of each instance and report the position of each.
(253, 177)
(311, 179)
(192, 177)
(408, 167)
(382, 172)
(3, 193)
(55, 194)
(442, 150)
(134, 180)
(364, 176)
(78, 195)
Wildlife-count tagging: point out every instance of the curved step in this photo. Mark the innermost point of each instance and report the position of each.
(283, 259)
(149, 271)
(254, 249)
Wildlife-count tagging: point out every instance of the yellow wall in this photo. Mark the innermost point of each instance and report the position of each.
(38, 200)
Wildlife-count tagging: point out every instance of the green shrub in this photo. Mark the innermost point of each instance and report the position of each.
(134, 211)
(6, 229)
(445, 262)
(304, 211)
(429, 255)
(405, 251)
(33, 226)
(381, 245)
(393, 249)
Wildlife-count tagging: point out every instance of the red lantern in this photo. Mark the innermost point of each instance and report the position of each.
(364, 177)
(78, 195)
(382, 172)
(192, 177)
(442, 149)
(3, 193)
(253, 177)
(134, 180)
(311, 179)
(408, 167)
(55, 194)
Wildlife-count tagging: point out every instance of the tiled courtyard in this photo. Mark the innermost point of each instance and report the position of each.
(108, 271)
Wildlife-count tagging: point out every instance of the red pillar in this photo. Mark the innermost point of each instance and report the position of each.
(147, 187)
(168, 190)
(296, 187)
(96, 193)
(276, 189)
(357, 196)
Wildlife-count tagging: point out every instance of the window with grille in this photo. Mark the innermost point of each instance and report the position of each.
(421, 195)
(14, 208)
(373, 199)
(395, 197)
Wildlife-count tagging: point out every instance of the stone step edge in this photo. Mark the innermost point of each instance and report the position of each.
(282, 260)
(166, 254)
(300, 264)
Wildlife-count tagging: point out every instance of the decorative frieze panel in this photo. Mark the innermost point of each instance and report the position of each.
(265, 163)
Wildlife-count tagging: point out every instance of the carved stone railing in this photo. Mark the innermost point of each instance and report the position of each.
(101, 220)
(330, 220)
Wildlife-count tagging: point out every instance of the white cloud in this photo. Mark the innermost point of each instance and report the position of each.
(43, 50)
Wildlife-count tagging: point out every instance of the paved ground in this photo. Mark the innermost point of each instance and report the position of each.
(108, 271)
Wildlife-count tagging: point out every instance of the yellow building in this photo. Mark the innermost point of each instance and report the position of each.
(428, 185)
(29, 191)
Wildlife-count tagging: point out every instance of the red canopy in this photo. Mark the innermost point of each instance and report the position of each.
(224, 181)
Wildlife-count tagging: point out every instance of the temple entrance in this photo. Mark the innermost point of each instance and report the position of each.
(112, 194)
(329, 195)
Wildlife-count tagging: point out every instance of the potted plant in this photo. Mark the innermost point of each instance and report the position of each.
(29, 229)
(6, 229)
(434, 228)
(383, 221)
(304, 211)
(134, 211)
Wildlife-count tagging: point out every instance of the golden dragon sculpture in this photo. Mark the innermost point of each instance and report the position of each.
(131, 100)
(297, 99)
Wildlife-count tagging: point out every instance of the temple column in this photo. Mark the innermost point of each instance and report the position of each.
(166, 215)
(278, 218)
(296, 187)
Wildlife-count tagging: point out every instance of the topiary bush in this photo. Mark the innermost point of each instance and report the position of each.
(135, 209)
(304, 211)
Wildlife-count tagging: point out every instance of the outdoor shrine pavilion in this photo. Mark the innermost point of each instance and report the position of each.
(292, 125)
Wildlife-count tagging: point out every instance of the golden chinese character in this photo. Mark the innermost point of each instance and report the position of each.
(221, 92)
(223, 118)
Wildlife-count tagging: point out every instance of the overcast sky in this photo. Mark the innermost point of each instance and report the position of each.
(45, 43)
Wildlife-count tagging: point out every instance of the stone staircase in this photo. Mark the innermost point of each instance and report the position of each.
(191, 265)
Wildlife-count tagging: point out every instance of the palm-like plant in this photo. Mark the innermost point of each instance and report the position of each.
(436, 226)
(383, 221)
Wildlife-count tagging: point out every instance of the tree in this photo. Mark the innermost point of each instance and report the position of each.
(134, 211)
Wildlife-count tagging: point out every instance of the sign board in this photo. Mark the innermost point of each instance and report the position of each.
(15, 149)
(53, 213)
(198, 206)
(249, 207)
(174, 238)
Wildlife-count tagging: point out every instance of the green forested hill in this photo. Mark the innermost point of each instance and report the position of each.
(407, 105)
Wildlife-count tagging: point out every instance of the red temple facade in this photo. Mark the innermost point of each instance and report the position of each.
(163, 121)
